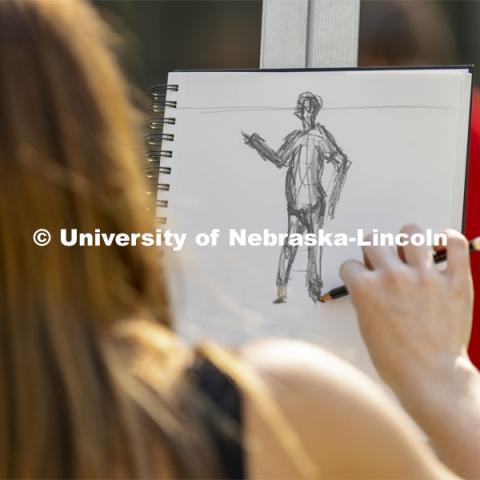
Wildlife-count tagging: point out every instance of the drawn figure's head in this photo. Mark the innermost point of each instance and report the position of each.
(308, 106)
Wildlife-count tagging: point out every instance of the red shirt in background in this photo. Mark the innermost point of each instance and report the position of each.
(472, 225)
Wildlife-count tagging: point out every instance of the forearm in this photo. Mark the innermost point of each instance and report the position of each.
(270, 155)
(445, 402)
(416, 320)
(266, 152)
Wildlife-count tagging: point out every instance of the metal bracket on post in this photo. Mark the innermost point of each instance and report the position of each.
(309, 33)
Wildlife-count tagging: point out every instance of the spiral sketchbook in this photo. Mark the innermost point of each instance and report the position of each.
(249, 159)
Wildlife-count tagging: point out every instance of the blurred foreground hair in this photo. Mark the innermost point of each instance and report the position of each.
(70, 158)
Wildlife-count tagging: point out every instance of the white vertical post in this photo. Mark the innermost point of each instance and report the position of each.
(284, 33)
(309, 33)
(333, 33)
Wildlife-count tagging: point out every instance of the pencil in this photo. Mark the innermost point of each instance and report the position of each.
(438, 257)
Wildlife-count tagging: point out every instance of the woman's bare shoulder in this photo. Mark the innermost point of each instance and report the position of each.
(345, 424)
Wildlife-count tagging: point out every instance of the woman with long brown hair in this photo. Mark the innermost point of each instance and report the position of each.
(93, 381)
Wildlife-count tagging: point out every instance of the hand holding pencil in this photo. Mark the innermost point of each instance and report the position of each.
(414, 318)
(439, 256)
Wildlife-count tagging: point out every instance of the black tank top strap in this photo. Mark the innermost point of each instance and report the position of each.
(222, 415)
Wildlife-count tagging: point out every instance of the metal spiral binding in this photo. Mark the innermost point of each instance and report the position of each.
(154, 141)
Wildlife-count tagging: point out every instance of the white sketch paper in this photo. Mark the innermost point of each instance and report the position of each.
(405, 134)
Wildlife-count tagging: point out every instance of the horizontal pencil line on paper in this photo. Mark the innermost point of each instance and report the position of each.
(210, 110)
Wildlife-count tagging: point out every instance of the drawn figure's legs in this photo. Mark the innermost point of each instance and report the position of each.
(314, 220)
(287, 256)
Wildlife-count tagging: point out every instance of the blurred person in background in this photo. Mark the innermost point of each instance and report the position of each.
(402, 33)
(399, 33)
(93, 381)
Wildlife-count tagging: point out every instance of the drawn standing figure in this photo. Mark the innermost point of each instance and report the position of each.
(305, 153)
